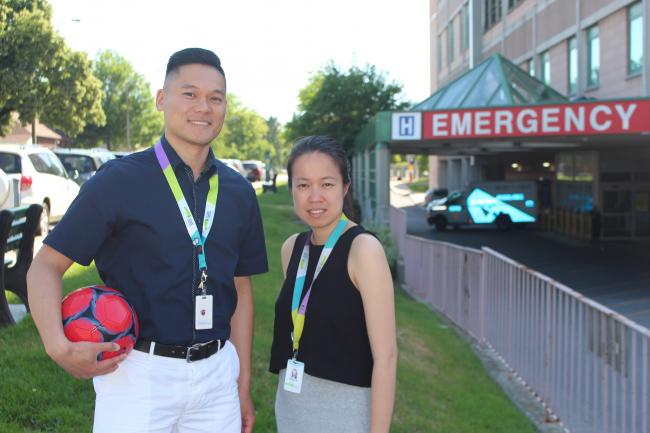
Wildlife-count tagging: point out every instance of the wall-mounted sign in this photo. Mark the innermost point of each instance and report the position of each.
(407, 126)
(606, 117)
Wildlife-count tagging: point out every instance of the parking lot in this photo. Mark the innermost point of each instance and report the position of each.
(616, 274)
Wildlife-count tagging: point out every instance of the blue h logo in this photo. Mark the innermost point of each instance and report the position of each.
(406, 125)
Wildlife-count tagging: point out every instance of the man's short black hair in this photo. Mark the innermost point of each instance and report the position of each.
(193, 56)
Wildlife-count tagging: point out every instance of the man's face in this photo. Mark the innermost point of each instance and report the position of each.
(194, 105)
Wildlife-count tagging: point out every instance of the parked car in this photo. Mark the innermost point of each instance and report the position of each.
(84, 161)
(41, 179)
(254, 170)
(435, 193)
(235, 164)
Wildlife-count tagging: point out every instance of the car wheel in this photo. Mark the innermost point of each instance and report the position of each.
(504, 223)
(44, 223)
(440, 223)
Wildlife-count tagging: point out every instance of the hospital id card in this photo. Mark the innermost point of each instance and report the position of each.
(293, 376)
(203, 312)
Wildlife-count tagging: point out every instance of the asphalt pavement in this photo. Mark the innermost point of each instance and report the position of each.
(613, 273)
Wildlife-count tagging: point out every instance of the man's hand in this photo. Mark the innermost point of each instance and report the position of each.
(247, 412)
(80, 359)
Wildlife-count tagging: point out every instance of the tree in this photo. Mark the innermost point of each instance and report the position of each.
(131, 115)
(339, 103)
(275, 136)
(244, 134)
(41, 78)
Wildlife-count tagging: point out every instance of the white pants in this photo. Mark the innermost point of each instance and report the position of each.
(156, 394)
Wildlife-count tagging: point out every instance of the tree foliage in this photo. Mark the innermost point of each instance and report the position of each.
(275, 136)
(244, 134)
(339, 104)
(126, 93)
(40, 77)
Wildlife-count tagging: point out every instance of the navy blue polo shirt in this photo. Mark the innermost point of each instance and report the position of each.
(126, 219)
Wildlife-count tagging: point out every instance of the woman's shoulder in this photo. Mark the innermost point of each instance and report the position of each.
(288, 244)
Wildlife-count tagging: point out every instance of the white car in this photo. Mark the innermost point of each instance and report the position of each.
(40, 178)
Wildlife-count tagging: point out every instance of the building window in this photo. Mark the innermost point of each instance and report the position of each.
(465, 28)
(513, 4)
(450, 39)
(593, 57)
(530, 67)
(634, 38)
(492, 10)
(572, 70)
(439, 52)
(546, 67)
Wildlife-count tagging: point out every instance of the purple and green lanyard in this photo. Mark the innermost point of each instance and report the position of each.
(198, 238)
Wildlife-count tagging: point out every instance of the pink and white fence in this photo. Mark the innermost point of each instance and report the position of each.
(588, 364)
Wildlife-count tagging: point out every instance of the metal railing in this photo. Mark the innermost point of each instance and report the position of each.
(588, 364)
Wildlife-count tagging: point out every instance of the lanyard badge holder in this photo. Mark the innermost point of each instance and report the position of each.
(203, 302)
(295, 369)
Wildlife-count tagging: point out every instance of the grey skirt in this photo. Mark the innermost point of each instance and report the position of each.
(323, 406)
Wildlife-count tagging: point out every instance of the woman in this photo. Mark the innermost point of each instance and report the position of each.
(334, 329)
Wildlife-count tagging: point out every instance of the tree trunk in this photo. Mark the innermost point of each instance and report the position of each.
(34, 130)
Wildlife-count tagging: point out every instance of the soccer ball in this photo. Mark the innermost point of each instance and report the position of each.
(100, 314)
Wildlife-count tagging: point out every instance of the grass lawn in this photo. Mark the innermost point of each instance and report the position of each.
(420, 185)
(442, 386)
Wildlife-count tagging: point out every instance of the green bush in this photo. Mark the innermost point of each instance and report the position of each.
(382, 231)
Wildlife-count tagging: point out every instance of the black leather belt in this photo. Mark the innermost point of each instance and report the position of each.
(192, 353)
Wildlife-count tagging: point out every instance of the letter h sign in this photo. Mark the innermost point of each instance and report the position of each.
(407, 126)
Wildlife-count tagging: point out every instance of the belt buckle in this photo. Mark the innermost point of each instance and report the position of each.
(191, 349)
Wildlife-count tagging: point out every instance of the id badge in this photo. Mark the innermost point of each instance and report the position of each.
(293, 376)
(203, 312)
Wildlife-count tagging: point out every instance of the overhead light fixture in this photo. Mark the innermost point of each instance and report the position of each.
(515, 165)
(546, 164)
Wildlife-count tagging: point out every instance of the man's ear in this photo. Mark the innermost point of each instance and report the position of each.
(160, 99)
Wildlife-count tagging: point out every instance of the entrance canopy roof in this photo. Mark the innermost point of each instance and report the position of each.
(494, 82)
(497, 107)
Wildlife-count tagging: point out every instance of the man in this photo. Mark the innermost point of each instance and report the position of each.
(180, 234)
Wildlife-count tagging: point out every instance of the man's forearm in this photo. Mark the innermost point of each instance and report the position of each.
(44, 289)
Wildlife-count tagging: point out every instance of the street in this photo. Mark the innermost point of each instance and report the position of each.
(613, 273)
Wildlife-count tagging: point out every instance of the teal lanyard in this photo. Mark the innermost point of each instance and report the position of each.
(198, 239)
(299, 309)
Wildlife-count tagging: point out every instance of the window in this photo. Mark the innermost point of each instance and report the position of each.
(10, 163)
(451, 49)
(546, 67)
(593, 57)
(513, 4)
(572, 70)
(634, 38)
(465, 27)
(439, 52)
(46, 163)
(530, 67)
(492, 10)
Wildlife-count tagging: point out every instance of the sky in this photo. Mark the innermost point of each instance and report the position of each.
(268, 49)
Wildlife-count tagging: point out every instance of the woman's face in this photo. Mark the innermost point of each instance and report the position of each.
(318, 190)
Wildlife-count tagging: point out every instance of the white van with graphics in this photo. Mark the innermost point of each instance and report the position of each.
(498, 203)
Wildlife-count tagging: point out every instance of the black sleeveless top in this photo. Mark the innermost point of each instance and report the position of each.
(334, 343)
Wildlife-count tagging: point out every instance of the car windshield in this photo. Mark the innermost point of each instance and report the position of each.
(81, 163)
(249, 165)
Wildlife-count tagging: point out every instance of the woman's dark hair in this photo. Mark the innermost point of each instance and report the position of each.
(330, 147)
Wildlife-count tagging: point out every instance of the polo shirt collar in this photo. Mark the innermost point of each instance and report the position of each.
(175, 161)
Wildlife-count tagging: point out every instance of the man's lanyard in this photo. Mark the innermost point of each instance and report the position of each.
(198, 239)
(299, 309)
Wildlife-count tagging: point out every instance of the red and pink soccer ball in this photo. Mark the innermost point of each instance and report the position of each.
(100, 314)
